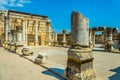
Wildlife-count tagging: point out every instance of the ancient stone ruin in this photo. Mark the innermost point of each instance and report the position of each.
(80, 59)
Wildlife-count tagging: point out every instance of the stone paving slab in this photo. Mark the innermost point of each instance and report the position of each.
(14, 67)
(106, 65)
(104, 62)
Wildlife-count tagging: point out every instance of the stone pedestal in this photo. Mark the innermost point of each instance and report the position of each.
(18, 48)
(12, 47)
(36, 44)
(80, 59)
(80, 64)
(8, 47)
(5, 45)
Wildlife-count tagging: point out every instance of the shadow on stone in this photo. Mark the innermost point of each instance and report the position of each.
(116, 76)
(98, 50)
(60, 71)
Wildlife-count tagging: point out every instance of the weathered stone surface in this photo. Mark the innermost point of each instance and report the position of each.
(55, 39)
(35, 29)
(80, 59)
(109, 43)
(41, 58)
(12, 47)
(27, 52)
(90, 38)
(64, 42)
(8, 47)
(79, 26)
(19, 48)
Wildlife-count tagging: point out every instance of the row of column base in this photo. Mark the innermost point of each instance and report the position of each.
(14, 47)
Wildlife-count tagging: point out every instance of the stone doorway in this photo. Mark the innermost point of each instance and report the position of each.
(106, 36)
(98, 37)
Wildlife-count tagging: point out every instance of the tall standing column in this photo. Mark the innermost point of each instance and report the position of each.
(80, 59)
(26, 26)
(64, 42)
(10, 33)
(90, 38)
(19, 36)
(19, 44)
(93, 39)
(23, 31)
(109, 42)
(49, 35)
(119, 40)
(6, 24)
(55, 39)
(36, 32)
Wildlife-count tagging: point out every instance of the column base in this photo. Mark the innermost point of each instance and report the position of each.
(64, 44)
(49, 44)
(109, 48)
(8, 47)
(5, 45)
(86, 75)
(12, 47)
(80, 65)
(25, 43)
(36, 44)
(18, 49)
(56, 43)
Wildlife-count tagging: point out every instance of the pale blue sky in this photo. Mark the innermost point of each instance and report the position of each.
(99, 12)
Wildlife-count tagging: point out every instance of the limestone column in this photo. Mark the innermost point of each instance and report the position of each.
(36, 32)
(64, 42)
(19, 36)
(14, 37)
(24, 31)
(6, 24)
(109, 42)
(26, 26)
(90, 38)
(55, 39)
(49, 35)
(19, 44)
(119, 41)
(93, 39)
(9, 31)
(80, 59)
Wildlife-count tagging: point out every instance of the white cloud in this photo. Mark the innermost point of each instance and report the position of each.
(24, 1)
(13, 3)
(19, 5)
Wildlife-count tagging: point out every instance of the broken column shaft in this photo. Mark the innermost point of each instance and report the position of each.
(80, 59)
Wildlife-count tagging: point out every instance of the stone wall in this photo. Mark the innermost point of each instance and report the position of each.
(36, 29)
